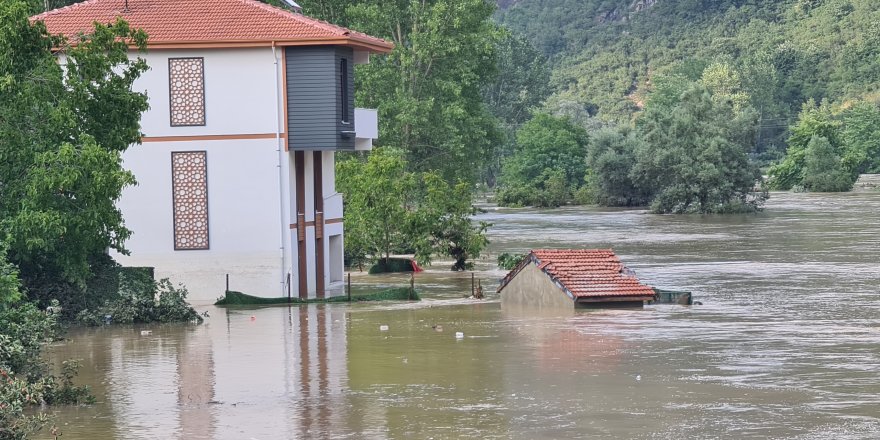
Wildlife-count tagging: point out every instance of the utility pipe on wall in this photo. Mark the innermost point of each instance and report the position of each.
(278, 104)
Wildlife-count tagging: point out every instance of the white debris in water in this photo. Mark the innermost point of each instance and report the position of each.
(146, 332)
(459, 335)
(383, 328)
(638, 377)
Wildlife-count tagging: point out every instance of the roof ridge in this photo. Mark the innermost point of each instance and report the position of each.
(299, 17)
(56, 11)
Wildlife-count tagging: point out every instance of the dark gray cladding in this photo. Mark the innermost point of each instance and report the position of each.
(315, 118)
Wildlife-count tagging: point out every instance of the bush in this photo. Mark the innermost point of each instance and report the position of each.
(510, 261)
(823, 170)
(142, 300)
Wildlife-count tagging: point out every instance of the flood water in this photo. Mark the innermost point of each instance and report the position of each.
(785, 345)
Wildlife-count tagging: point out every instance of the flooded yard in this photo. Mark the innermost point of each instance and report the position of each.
(786, 345)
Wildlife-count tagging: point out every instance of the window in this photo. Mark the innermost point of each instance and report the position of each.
(343, 87)
(186, 85)
(189, 189)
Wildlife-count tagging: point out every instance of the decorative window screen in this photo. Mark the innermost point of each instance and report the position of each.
(189, 177)
(186, 79)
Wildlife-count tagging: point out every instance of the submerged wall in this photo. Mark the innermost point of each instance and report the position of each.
(531, 287)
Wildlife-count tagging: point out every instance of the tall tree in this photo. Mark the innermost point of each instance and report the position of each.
(695, 156)
(428, 90)
(63, 127)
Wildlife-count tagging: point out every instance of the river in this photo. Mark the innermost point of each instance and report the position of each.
(785, 345)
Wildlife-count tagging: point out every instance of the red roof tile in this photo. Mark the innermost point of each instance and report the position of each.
(209, 23)
(585, 273)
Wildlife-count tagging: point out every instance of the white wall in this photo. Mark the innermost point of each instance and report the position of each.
(243, 217)
(239, 92)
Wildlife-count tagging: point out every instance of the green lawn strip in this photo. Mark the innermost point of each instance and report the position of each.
(233, 298)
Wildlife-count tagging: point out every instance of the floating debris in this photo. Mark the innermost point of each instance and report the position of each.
(383, 328)
(459, 335)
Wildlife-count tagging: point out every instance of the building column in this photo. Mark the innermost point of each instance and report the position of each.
(299, 160)
(318, 174)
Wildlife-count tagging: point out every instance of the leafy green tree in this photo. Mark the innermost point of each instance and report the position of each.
(861, 138)
(695, 156)
(429, 88)
(823, 170)
(522, 84)
(548, 164)
(389, 209)
(813, 121)
(611, 156)
(63, 129)
(445, 218)
(379, 196)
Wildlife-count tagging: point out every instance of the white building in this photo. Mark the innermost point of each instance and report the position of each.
(248, 104)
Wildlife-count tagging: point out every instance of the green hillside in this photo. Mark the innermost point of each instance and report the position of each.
(607, 53)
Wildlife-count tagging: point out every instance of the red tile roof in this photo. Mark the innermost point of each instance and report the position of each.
(208, 23)
(585, 273)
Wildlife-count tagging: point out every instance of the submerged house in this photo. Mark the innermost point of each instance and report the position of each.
(573, 278)
(248, 106)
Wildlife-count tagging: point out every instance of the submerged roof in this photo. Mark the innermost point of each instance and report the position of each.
(208, 23)
(584, 273)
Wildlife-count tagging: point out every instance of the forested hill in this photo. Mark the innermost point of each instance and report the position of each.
(607, 54)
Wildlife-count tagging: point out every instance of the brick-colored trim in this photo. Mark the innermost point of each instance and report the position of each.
(211, 137)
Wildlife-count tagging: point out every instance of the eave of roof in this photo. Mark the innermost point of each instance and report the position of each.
(186, 24)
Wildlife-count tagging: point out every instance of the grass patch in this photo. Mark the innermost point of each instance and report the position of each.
(233, 298)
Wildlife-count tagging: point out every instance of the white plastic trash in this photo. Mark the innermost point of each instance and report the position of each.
(146, 332)
(383, 328)
(459, 335)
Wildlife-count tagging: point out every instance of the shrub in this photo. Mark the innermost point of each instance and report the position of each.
(510, 261)
(142, 300)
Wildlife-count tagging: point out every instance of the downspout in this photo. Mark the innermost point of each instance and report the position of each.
(278, 104)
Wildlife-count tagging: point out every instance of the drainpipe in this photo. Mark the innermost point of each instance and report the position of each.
(278, 104)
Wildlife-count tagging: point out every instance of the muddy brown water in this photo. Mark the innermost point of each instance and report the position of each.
(786, 345)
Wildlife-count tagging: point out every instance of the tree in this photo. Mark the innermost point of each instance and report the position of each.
(428, 90)
(390, 210)
(445, 218)
(63, 130)
(861, 138)
(813, 121)
(378, 201)
(694, 158)
(823, 170)
(610, 160)
(548, 164)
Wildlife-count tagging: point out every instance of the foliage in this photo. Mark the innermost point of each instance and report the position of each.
(10, 286)
(694, 156)
(428, 89)
(611, 156)
(24, 381)
(823, 170)
(547, 165)
(522, 82)
(378, 195)
(389, 209)
(391, 265)
(607, 54)
(443, 224)
(813, 120)
(861, 138)
(143, 300)
(63, 129)
(508, 261)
